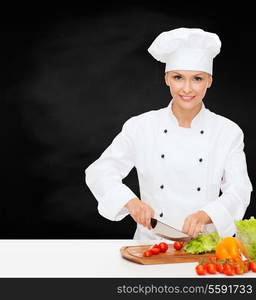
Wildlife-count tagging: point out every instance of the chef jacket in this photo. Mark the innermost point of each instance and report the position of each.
(180, 170)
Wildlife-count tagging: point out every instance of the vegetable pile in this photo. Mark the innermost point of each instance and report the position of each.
(228, 267)
(203, 243)
(246, 233)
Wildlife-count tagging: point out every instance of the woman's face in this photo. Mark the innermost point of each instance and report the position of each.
(188, 88)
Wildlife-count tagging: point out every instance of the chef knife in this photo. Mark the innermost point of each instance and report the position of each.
(166, 231)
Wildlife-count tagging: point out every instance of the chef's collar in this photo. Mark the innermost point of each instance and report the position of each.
(196, 121)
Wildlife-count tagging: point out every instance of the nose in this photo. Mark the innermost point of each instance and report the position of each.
(187, 87)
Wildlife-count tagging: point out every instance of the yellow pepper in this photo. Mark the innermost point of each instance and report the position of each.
(229, 248)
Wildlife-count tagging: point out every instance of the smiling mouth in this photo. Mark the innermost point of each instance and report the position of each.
(187, 98)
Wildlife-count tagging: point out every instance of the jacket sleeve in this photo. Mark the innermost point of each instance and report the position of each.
(104, 176)
(236, 189)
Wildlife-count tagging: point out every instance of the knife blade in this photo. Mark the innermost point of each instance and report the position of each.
(168, 232)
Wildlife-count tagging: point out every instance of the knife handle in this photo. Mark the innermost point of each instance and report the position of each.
(153, 222)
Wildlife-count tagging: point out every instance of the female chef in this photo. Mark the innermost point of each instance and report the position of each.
(184, 154)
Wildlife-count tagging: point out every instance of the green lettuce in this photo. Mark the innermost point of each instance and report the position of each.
(246, 233)
(203, 243)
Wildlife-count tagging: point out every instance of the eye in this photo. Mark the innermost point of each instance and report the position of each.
(197, 78)
(177, 77)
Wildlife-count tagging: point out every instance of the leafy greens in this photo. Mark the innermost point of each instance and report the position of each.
(246, 233)
(203, 243)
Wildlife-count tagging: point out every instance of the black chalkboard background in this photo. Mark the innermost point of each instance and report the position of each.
(70, 78)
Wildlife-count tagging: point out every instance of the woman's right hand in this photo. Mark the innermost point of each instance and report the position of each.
(140, 211)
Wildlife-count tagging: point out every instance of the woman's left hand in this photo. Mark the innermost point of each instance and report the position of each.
(194, 224)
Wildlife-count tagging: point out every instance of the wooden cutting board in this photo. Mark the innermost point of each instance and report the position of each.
(135, 254)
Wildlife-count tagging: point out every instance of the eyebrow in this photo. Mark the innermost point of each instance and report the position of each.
(193, 75)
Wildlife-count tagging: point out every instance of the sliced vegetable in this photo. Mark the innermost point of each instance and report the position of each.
(147, 253)
(155, 246)
(155, 250)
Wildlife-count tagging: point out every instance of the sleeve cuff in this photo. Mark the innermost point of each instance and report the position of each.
(112, 206)
(221, 218)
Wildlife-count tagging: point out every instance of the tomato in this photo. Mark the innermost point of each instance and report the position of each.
(253, 266)
(246, 264)
(239, 269)
(228, 270)
(178, 245)
(155, 250)
(211, 268)
(147, 253)
(155, 246)
(220, 268)
(163, 247)
(200, 269)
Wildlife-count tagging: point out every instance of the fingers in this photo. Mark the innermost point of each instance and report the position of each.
(146, 215)
(193, 226)
(142, 214)
(197, 230)
(149, 215)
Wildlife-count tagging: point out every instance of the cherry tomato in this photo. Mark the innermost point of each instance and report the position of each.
(228, 270)
(155, 250)
(155, 246)
(163, 247)
(253, 266)
(147, 253)
(219, 268)
(239, 269)
(211, 268)
(246, 264)
(200, 269)
(178, 245)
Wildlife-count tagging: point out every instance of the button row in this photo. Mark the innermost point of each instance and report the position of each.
(198, 189)
(202, 131)
(200, 159)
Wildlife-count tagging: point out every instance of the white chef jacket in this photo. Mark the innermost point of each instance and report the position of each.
(180, 170)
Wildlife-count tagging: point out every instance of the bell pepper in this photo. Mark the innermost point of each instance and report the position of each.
(229, 248)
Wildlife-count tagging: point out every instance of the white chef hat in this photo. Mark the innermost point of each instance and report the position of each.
(186, 49)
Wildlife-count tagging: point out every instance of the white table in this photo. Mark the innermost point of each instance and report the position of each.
(83, 259)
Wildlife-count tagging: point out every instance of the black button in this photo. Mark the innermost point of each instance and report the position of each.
(162, 155)
(198, 189)
(201, 131)
(161, 187)
(165, 131)
(200, 159)
(161, 215)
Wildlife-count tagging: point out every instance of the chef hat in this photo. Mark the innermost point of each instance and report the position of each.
(186, 49)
